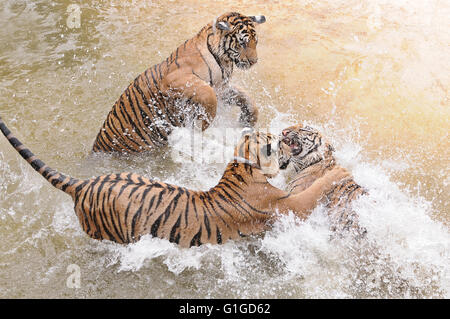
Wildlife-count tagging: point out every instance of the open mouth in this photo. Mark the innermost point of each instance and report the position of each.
(293, 144)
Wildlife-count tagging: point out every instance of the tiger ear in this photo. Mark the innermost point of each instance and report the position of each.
(223, 25)
(258, 19)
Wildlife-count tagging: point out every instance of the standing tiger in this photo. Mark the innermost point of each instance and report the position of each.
(123, 207)
(184, 87)
(302, 146)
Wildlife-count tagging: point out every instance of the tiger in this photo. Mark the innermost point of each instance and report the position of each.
(312, 157)
(186, 86)
(124, 207)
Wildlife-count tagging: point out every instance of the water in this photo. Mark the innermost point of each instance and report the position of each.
(372, 75)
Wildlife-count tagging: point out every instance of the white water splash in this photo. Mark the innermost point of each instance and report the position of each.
(406, 254)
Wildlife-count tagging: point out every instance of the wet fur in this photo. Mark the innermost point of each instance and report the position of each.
(184, 87)
(315, 160)
(124, 207)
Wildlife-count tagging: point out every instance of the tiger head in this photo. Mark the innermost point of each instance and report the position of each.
(238, 38)
(259, 150)
(302, 146)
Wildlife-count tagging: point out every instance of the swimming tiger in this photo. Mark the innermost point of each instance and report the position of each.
(185, 86)
(311, 157)
(124, 207)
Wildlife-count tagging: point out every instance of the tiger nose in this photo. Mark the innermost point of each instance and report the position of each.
(285, 132)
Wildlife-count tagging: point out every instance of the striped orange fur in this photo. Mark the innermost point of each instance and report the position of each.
(184, 87)
(124, 207)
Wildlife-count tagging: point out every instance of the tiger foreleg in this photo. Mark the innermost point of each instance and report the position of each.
(198, 92)
(249, 113)
(302, 203)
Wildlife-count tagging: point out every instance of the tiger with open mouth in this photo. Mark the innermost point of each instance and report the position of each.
(311, 157)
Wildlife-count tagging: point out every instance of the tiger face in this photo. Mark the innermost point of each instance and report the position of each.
(302, 146)
(240, 39)
(260, 150)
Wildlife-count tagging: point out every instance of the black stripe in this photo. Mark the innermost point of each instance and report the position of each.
(206, 222)
(149, 121)
(90, 191)
(37, 164)
(161, 194)
(222, 197)
(195, 207)
(223, 209)
(127, 118)
(239, 178)
(104, 219)
(160, 98)
(119, 223)
(122, 129)
(112, 211)
(160, 73)
(213, 211)
(186, 211)
(218, 235)
(99, 189)
(133, 222)
(71, 182)
(4, 129)
(231, 182)
(196, 239)
(150, 205)
(56, 181)
(86, 215)
(174, 229)
(111, 223)
(14, 142)
(177, 239)
(125, 217)
(173, 204)
(100, 143)
(158, 105)
(48, 172)
(240, 234)
(80, 187)
(136, 125)
(137, 187)
(176, 58)
(117, 135)
(193, 72)
(234, 202)
(26, 153)
(155, 226)
(124, 186)
(250, 206)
